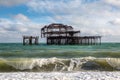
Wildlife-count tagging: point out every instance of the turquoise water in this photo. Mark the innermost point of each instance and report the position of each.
(63, 51)
(42, 57)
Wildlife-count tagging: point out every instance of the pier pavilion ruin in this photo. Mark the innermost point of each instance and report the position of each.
(60, 34)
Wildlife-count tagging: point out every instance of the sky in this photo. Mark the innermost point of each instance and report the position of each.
(91, 17)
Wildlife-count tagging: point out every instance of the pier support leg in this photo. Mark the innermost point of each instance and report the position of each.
(23, 41)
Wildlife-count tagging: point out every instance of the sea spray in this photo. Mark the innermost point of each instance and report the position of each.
(21, 64)
(114, 62)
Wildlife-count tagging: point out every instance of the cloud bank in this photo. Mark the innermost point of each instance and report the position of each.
(92, 17)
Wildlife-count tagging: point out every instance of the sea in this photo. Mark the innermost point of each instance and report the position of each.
(15, 57)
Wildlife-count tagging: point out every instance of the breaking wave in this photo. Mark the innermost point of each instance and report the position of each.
(59, 64)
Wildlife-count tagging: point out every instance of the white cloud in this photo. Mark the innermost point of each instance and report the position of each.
(21, 17)
(54, 6)
(14, 31)
(113, 2)
(12, 2)
(8, 25)
(115, 22)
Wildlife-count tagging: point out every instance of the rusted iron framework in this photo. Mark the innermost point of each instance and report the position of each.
(60, 34)
(30, 40)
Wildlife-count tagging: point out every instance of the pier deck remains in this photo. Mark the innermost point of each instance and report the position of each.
(30, 40)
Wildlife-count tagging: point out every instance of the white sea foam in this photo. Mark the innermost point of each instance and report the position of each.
(61, 76)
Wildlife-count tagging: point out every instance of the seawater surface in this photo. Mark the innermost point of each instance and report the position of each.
(40, 58)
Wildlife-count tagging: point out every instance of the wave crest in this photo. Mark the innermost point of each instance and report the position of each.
(114, 62)
(58, 64)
